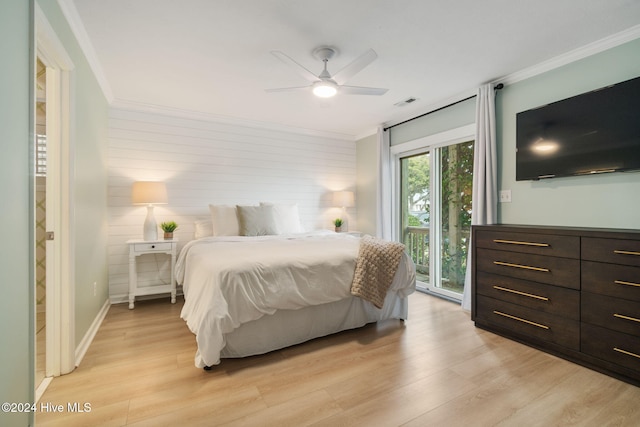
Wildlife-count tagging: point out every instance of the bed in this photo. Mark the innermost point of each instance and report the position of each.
(249, 295)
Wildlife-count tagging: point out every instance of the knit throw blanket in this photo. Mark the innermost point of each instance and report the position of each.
(376, 265)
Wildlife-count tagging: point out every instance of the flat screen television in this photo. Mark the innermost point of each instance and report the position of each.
(591, 133)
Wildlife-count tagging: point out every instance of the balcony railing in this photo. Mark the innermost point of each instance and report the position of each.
(416, 239)
(453, 262)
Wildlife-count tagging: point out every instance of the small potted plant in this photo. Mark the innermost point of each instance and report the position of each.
(338, 223)
(168, 227)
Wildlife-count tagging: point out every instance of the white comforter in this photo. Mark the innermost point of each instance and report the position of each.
(228, 281)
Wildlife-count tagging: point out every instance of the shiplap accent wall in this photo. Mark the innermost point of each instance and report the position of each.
(204, 161)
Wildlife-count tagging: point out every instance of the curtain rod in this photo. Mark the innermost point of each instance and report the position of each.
(497, 87)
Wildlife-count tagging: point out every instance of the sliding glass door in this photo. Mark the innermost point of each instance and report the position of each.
(435, 212)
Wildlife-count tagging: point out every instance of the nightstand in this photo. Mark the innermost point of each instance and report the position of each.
(141, 247)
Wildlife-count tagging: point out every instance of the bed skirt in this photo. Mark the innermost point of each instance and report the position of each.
(285, 328)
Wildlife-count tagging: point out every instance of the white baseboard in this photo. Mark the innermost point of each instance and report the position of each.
(82, 348)
(42, 387)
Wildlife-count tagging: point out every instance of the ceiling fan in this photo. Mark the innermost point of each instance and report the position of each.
(325, 85)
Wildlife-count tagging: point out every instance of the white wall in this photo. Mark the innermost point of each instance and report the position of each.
(366, 194)
(207, 162)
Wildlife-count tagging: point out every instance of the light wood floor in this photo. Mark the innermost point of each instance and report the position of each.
(435, 369)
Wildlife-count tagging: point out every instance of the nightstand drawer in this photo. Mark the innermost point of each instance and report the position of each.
(612, 313)
(528, 322)
(550, 299)
(616, 251)
(620, 281)
(151, 247)
(614, 347)
(530, 243)
(554, 271)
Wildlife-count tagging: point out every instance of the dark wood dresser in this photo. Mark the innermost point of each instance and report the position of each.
(572, 292)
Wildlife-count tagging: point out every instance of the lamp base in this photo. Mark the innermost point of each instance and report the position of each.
(150, 226)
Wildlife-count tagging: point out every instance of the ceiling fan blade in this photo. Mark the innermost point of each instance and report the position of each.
(357, 90)
(306, 74)
(288, 89)
(355, 66)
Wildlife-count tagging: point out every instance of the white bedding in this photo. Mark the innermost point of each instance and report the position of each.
(231, 281)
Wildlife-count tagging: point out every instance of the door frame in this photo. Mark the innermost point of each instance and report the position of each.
(60, 293)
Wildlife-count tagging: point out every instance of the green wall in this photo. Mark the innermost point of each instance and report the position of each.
(452, 117)
(90, 120)
(89, 133)
(609, 200)
(16, 304)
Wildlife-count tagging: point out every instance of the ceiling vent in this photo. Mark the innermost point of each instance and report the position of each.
(405, 102)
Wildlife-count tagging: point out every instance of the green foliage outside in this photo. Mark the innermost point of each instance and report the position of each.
(456, 163)
(457, 184)
(418, 182)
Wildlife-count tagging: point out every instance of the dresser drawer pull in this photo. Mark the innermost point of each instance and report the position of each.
(622, 282)
(626, 252)
(526, 267)
(513, 291)
(519, 319)
(628, 353)
(515, 242)
(622, 316)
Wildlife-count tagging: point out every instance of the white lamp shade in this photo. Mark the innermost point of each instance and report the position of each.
(343, 199)
(149, 193)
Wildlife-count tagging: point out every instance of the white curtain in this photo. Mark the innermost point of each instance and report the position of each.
(485, 186)
(383, 196)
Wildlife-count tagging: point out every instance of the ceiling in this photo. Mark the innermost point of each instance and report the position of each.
(213, 56)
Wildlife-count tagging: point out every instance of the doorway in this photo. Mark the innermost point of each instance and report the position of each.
(55, 79)
(40, 225)
(434, 185)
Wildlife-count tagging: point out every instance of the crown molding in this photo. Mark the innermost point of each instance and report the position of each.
(77, 28)
(590, 49)
(139, 107)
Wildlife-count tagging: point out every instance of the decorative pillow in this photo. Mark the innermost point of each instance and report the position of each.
(203, 228)
(256, 220)
(286, 218)
(224, 220)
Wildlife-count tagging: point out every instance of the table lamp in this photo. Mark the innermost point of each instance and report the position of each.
(149, 193)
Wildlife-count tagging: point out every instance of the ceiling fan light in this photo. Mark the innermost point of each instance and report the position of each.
(324, 89)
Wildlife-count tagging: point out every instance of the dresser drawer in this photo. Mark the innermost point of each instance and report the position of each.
(550, 299)
(613, 313)
(620, 281)
(528, 322)
(530, 243)
(614, 347)
(150, 247)
(551, 270)
(616, 251)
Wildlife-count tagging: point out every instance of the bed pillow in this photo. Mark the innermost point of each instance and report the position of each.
(256, 220)
(224, 220)
(203, 228)
(286, 218)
